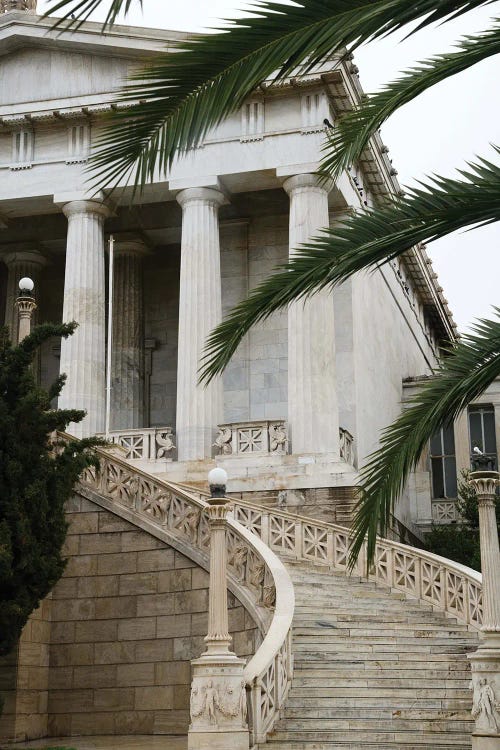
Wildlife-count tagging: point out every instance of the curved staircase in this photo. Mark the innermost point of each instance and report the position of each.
(378, 663)
(373, 669)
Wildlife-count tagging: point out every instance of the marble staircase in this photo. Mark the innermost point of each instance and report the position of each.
(373, 669)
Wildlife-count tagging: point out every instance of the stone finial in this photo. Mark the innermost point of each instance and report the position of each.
(28, 6)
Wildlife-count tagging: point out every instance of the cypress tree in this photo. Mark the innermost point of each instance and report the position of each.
(36, 479)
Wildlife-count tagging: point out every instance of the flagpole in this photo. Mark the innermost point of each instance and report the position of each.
(110, 334)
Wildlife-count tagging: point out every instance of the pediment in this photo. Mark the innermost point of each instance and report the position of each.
(40, 63)
(33, 74)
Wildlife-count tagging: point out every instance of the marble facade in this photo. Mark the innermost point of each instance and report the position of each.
(194, 244)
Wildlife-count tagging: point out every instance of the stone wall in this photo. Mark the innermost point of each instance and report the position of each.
(127, 617)
(24, 679)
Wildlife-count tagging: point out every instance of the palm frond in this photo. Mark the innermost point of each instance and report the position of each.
(177, 99)
(364, 240)
(78, 11)
(353, 131)
(467, 370)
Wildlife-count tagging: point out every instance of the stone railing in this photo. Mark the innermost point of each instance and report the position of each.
(256, 438)
(346, 446)
(448, 586)
(145, 443)
(257, 575)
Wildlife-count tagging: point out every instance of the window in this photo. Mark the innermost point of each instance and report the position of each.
(482, 430)
(22, 147)
(443, 463)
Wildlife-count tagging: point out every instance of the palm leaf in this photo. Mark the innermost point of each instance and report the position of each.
(181, 96)
(470, 367)
(364, 240)
(353, 131)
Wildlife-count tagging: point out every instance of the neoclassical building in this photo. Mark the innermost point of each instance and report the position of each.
(304, 399)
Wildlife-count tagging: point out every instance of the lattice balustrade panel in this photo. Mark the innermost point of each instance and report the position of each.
(382, 567)
(281, 672)
(314, 542)
(249, 518)
(282, 534)
(340, 550)
(475, 604)
(185, 518)
(120, 484)
(90, 477)
(406, 572)
(444, 512)
(154, 500)
(432, 582)
(251, 440)
(204, 532)
(456, 594)
(134, 445)
(267, 695)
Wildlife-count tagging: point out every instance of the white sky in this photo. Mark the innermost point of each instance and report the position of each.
(439, 132)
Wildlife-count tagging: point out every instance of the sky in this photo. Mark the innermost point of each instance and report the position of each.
(438, 133)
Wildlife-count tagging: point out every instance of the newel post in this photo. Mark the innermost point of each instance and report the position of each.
(26, 305)
(218, 695)
(486, 660)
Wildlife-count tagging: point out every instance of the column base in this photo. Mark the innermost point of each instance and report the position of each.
(218, 704)
(485, 685)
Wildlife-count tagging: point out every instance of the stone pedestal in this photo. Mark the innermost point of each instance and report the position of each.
(20, 264)
(199, 408)
(485, 661)
(312, 393)
(218, 702)
(83, 356)
(127, 367)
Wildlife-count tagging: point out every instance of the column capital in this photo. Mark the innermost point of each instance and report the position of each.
(24, 256)
(484, 483)
(205, 195)
(78, 207)
(307, 180)
(130, 246)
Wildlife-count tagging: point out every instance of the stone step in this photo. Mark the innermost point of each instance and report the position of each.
(278, 744)
(416, 726)
(448, 739)
(385, 713)
(359, 629)
(382, 692)
(420, 683)
(343, 666)
(439, 702)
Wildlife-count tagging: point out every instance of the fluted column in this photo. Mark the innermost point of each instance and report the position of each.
(127, 368)
(83, 354)
(218, 639)
(20, 264)
(199, 408)
(312, 392)
(486, 660)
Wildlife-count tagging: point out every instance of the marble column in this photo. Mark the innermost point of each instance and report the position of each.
(127, 367)
(312, 392)
(199, 408)
(20, 264)
(485, 661)
(83, 354)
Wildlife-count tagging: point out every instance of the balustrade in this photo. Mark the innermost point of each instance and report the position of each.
(148, 443)
(256, 438)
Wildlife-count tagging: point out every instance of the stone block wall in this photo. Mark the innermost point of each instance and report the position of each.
(127, 617)
(24, 679)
